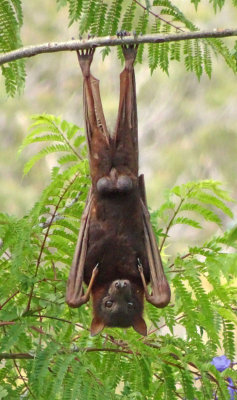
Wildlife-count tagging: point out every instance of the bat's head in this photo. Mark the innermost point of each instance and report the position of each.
(119, 305)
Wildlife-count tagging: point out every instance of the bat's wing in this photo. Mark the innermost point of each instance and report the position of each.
(160, 296)
(75, 296)
(126, 137)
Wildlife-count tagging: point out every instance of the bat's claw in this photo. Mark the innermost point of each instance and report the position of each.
(139, 266)
(85, 57)
(95, 270)
(86, 53)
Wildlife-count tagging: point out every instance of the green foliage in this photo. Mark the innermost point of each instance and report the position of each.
(216, 4)
(47, 128)
(55, 357)
(11, 20)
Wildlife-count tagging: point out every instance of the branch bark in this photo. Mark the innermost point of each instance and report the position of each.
(53, 47)
(28, 356)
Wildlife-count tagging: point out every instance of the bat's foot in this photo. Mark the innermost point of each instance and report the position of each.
(85, 57)
(121, 34)
(129, 52)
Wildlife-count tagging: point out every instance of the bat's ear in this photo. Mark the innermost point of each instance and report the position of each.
(97, 325)
(140, 326)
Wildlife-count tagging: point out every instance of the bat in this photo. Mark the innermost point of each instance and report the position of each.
(116, 254)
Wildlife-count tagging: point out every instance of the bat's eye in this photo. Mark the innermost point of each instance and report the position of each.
(108, 304)
(130, 305)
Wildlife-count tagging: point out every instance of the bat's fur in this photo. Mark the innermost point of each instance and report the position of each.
(115, 233)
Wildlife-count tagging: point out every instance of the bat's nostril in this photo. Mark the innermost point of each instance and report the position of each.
(117, 284)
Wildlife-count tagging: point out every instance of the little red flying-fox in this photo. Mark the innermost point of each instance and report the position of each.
(116, 253)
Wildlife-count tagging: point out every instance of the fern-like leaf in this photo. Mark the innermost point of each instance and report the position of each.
(10, 24)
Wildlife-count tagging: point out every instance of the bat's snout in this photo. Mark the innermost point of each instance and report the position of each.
(122, 284)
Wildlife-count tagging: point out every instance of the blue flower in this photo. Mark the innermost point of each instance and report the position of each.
(221, 363)
(232, 391)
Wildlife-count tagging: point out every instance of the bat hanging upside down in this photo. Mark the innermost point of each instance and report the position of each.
(116, 253)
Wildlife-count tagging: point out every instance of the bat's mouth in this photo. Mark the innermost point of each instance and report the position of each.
(120, 321)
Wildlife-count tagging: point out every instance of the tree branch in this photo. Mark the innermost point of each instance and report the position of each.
(28, 356)
(72, 45)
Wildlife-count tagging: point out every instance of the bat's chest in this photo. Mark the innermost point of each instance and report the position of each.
(116, 241)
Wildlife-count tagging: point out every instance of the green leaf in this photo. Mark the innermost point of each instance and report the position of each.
(227, 314)
(11, 19)
(186, 221)
(207, 214)
(210, 199)
(44, 152)
(3, 392)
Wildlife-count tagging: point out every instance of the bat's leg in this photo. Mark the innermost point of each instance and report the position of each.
(126, 127)
(96, 130)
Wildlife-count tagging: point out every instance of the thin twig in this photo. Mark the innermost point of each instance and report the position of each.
(53, 47)
(60, 319)
(173, 217)
(158, 16)
(170, 223)
(23, 379)
(58, 216)
(162, 326)
(6, 323)
(162, 380)
(182, 258)
(46, 236)
(91, 373)
(9, 298)
(16, 356)
(67, 141)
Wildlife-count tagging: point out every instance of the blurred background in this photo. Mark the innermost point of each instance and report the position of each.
(187, 129)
